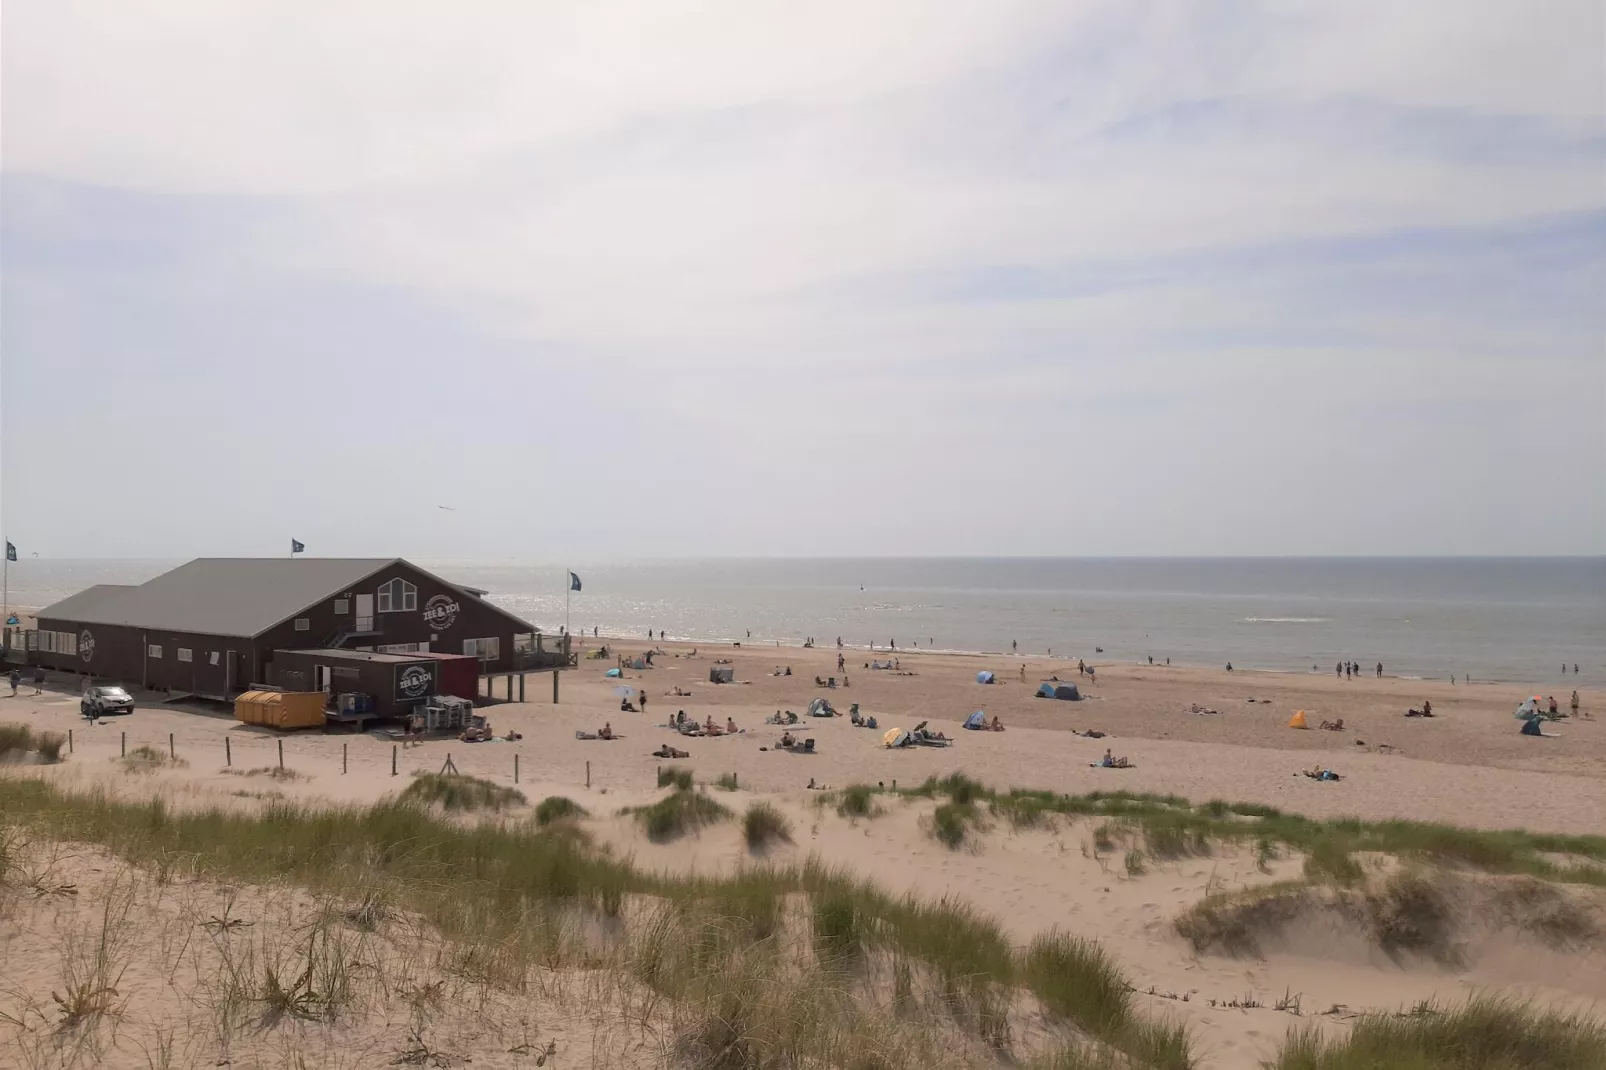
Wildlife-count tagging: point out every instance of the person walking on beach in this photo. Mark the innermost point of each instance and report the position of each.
(840, 661)
(39, 684)
(1151, 659)
(1338, 670)
(16, 678)
(1014, 647)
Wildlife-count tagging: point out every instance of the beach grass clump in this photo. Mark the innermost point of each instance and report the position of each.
(1078, 980)
(949, 822)
(1486, 1033)
(558, 808)
(147, 759)
(676, 777)
(857, 800)
(17, 741)
(838, 927)
(455, 791)
(1329, 859)
(1239, 923)
(1412, 914)
(724, 782)
(678, 814)
(763, 826)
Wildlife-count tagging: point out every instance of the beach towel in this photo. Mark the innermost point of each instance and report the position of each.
(976, 721)
(1298, 720)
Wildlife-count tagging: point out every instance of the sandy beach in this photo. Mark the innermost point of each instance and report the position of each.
(1466, 766)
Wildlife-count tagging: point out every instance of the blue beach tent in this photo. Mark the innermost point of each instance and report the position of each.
(984, 678)
(976, 721)
(613, 674)
(1068, 692)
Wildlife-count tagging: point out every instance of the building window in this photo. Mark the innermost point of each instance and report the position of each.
(212, 658)
(47, 643)
(303, 624)
(342, 606)
(67, 642)
(524, 641)
(153, 651)
(484, 649)
(398, 648)
(184, 654)
(398, 596)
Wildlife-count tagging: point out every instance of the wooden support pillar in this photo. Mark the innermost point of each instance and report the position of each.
(554, 687)
(521, 687)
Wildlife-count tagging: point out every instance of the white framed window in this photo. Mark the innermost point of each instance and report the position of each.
(184, 654)
(398, 596)
(46, 643)
(212, 658)
(342, 606)
(484, 649)
(153, 650)
(303, 624)
(398, 648)
(67, 642)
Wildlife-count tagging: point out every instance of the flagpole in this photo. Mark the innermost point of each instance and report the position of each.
(568, 594)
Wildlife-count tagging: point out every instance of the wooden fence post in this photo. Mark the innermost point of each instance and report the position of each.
(172, 751)
(69, 741)
(125, 745)
(393, 749)
(281, 754)
(515, 768)
(588, 774)
(228, 751)
(343, 759)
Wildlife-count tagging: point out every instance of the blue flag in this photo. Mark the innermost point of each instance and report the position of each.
(574, 582)
(297, 547)
(11, 553)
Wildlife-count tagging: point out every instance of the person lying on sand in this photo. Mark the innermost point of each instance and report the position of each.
(1091, 733)
(666, 751)
(1200, 710)
(812, 786)
(1318, 773)
(1333, 726)
(679, 692)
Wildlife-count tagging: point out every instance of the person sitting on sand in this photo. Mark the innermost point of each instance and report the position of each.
(996, 725)
(787, 741)
(607, 731)
(626, 706)
(666, 751)
(730, 726)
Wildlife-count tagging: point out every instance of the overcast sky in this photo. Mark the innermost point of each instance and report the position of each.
(648, 279)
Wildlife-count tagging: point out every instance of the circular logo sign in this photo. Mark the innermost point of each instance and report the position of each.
(415, 681)
(86, 644)
(441, 612)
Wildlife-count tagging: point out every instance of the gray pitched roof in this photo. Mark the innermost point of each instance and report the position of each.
(220, 595)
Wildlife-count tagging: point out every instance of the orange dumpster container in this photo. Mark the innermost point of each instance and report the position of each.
(281, 709)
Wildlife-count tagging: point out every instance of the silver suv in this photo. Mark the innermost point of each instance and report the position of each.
(100, 701)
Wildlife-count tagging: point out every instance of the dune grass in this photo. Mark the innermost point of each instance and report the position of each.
(454, 791)
(146, 759)
(676, 777)
(679, 813)
(17, 741)
(763, 826)
(857, 800)
(1172, 827)
(502, 891)
(1483, 1034)
(724, 782)
(557, 808)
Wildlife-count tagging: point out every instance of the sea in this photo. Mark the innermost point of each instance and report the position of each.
(1490, 619)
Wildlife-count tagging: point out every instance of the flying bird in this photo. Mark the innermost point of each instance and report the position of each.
(448, 508)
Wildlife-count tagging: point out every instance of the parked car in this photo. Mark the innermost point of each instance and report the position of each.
(101, 701)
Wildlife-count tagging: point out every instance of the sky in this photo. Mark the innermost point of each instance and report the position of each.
(638, 279)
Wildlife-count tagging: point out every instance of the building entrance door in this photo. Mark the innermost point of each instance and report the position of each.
(365, 613)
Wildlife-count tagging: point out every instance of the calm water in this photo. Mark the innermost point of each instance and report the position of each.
(1514, 619)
